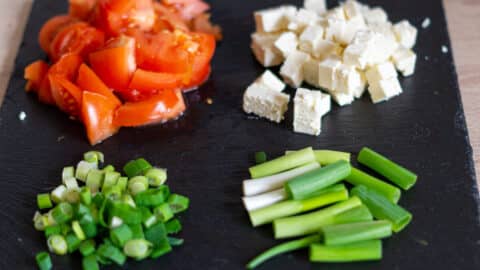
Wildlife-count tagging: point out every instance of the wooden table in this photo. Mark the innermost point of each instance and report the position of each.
(463, 17)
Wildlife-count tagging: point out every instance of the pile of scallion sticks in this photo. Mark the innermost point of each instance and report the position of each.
(302, 193)
(110, 217)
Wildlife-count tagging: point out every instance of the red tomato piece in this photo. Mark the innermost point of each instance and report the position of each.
(201, 62)
(50, 29)
(34, 74)
(167, 19)
(145, 84)
(87, 80)
(97, 116)
(202, 24)
(188, 9)
(67, 95)
(115, 64)
(81, 9)
(164, 106)
(45, 93)
(67, 66)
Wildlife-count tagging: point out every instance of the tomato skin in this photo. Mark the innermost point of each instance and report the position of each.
(87, 80)
(145, 84)
(67, 95)
(201, 63)
(34, 74)
(81, 9)
(188, 9)
(50, 29)
(45, 92)
(115, 64)
(97, 115)
(166, 105)
(67, 66)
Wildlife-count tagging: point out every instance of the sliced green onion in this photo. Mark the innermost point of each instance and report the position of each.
(283, 248)
(178, 203)
(357, 214)
(87, 247)
(138, 249)
(136, 167)
(356, 232)
(121, 235)
(110, 179)
(156, 234)
(38, 221)
(88, 226)
(358, 177)
(289, 208)
(163, 212)
(283, 163)
(43, 261)
(122, 183)
(303, 186)
(63, 212)
(66, 229)
(112, 253)
(58, 194)
(148, 219)
(94, 180)
(156, 176)
(382, 208)
(84, 168)
(51, 230)
(70, 183)
(48, 219)
(113, 192)
(260, 157)
(261, 185)
(174, 241)
(93, 156)
(326, 157)
(57, 244)
(43, 201)
(90, 262)
(127, 213)
(161, 250)
(391, 170)
(68, 172)
(311, 222)
(263, 200)
(85, 196)
(354, 252)
(72, 242)
(72, 196)
(152, 197)
(137, 184)
(173, 226)
(77, 229)
(128, 199)
(137, 231)
(115, 222)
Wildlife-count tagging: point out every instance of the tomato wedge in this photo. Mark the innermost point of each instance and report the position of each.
(87, 80)
(201, 62)
(188, 9)
(115, 64)
(167, 19)
(67, 66)
(50, 29)
(145, 84)
(45, 93)
(34, 74)
(81, 9)
(97, 116)
(67, 95)
(164, 106)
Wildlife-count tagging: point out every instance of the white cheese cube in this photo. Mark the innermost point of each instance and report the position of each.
(264, 51)
(357, 54)
(269, 80)
(311, 72)
(358, 93)
(368, 48)
(323, 48)
(286, 43)
(406, 34)
(384, 89)
(404, 60)
(336, 13)
(384, 28)
(318, 6)
(381, 72)
(302, 19)
(326, 72)
(265, 102)
(335, 30)
(292, 68)
(309, 37)
(353, 26)
(349, 80)
(342, 99)
(375, 15)
(274, 19)
(353, 9)
(309, 107)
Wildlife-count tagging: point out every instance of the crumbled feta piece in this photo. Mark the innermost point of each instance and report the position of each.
(349, 81)
(357, 54)
(264, 51)
(335, 29)
(384, 89)
(318, 6)
(274, 19)
(381, 72)
(292, 68)
(406, 33)
(353, 26)
(269, 80)
(312, 35)
(342, 99)
(426, 23)
(323, 48)
(326, 72)
(352, 9)
(385, 29)
(336, 13)
(286, 43)
(22, 116)
(309, 107)
(375, 15)
(311, 72)
(302, 19)
(444, 49)
(265, 102)
(404, 60)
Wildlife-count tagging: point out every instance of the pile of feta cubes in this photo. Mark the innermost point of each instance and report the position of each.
(343, 51)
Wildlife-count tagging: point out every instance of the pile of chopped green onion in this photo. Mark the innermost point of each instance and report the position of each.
(108, 217)
(339, 212)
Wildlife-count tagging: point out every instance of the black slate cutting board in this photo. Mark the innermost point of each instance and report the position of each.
(209, 150)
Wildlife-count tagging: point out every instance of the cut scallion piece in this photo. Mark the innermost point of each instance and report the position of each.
(85, 196)
(87, 247)
(136, 167)
(63, 212)
(84, 168)
(156, 176)
(57, 244)
(357, 214)
(51, 230)
(121, 235)
(283, 163)
(257, 186)
(94, 180)
(263, 200)
(354, 252)
(43, 201)
(68, 172)
(70, 183)
(58, 194)
(122, 183)
(178, 203)
(391, 170)
(137, 184)
(110, 180)
(283, 248)
(173, 226)
(93, 157)
(356, 232)
(77, 229)
(382, 208)
(90, 262)
(311, 222)
(138, 249)
(152, 197)
(303, 186)
(110, 252)
(260, 157)
(175, 242)
(326, 157)
(137, 231)
(44, 261)
(163, 212)
(358, 177)
(72, 242)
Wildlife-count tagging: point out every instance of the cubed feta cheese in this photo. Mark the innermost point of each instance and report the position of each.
(368, 48)
(274, 19)
(309, 107)
(286, 43)
(404, 60)
(310, 37)
(318, 6)
(265, 102)
(384, 28)
(349, 80)
(292, 68)
(323, 48)
(335, 29)
(311, 72)
(375, 15)
(357, 54)
(384, 89)
(381, 72)
(326, 72)
(353, 26)
(352, 9)
(336, 13)
(406, 34)
(269, 80)
(342, 99)
(302, 19)
(262, 47)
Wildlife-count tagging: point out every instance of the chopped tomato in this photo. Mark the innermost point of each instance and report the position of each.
(198, 78)
(145, 84)
(201, 62)
(202, 24)
(50, 29)
(188, 9)
(115, 64)
(67, 95)
(45, 93)
(97, 116)
(164, 106)
(81, 9)
(87, 80)
(77, 38)
(67, 66)
(34, 74)
(167, 19)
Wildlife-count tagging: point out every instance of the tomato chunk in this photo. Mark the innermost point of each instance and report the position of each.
(87, 80)
(34, 74)
(67, 95)
(50, 29)
(188, 9)
(97, 116)
(45, 92)
(164, 106)
(201, 62)
(81, 9)
(115, 64)
(67, 66)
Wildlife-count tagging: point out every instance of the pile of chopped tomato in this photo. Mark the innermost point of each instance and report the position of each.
(123, 63)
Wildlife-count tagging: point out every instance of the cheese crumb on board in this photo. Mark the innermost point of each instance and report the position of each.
(444, 49)
(426, 23)
(269, 80)
(309, 107)
(265, 102)
(22, 116)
